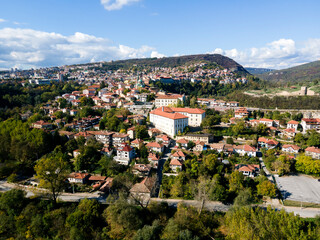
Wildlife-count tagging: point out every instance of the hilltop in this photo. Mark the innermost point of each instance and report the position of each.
(215, 59)
(302, 73)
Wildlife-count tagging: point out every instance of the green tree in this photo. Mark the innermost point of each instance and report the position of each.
(52, 172)
(236, 181)
(266, 188)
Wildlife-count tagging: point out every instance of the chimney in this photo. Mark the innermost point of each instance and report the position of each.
(162, 109)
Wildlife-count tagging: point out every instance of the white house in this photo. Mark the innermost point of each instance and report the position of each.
(313, 152)
(293, 124)
(245, 149)
(310, 123)
(290, 148)
(125, 154)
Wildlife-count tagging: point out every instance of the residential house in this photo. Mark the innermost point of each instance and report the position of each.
(153, 132)
(142, 170)
(164, 139)
(179, 155)
(310, 123)
(267, 143)
(154, 160)
(125, 153)
(290, 148)
(249, 170)
(183, 142)
(76, 177)
(175, 165)
(156, 147)
(204, 137)
(136, 143)
(313, 152)
(241, 113)
(144, 190)
(245, 149)
(42, 125)
(119, 138)
(293, 124)
(163, 99)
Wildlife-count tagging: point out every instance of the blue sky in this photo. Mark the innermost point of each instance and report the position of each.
(274, 34)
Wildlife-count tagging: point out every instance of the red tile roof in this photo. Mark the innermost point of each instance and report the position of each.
(313, 149)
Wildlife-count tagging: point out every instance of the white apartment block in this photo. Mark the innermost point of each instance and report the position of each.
(163, 100)
(168, 121)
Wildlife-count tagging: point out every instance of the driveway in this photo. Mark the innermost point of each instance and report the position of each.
(299, 188)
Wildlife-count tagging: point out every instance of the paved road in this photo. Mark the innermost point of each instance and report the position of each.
(299, 188)
(160, 166)
(209, 205)
(67, 197)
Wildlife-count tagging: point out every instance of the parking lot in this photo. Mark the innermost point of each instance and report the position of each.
(299, 188)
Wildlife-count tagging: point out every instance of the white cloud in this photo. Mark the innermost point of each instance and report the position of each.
(26, 48)
(2, 20)
(155, 54)
(111, 5)
(279, 54)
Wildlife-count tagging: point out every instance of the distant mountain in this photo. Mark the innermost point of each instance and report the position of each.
(255, 71)
(302, 73)
(218, 59)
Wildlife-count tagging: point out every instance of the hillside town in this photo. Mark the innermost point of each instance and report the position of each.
(155, 135)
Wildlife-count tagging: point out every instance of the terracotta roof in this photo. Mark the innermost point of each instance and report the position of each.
(154, 145)
(78, 175)
(153, 157)
(175, 162)
(293, 122)
(125, 148)
(182, 141)
(268, 141)
(313, 149)
(170, 115)
(178, 154)
(290, 130)
(97, 178)
(265, 120)
(295, 147)
(189, 110)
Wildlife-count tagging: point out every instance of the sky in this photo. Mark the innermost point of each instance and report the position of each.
(269, 34)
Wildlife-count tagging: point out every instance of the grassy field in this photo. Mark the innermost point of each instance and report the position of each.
(291, 203)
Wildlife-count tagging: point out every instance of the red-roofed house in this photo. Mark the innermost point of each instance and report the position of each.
(183, 142)
(179, 155)
(78, 177)
(163, 139)
(290, 148)
(293, 124)
(125, 154)
(250, 170)
(175, 165)
(245, 149)
(154, 160)
(267, 143)
(154, 146)
(313, 152)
